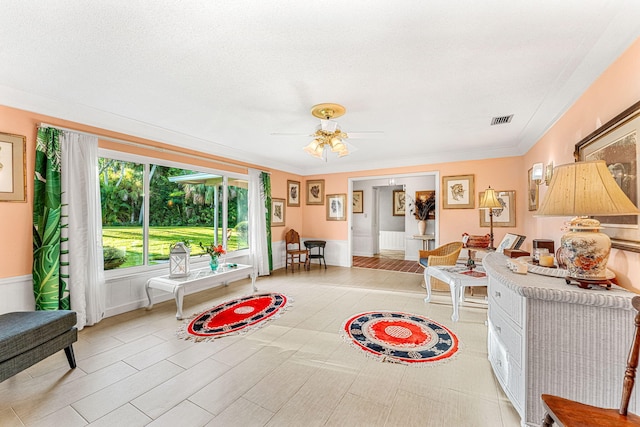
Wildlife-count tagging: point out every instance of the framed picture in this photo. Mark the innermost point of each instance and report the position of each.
(458, 192)
(12, 168)
(358, 200)
(502, 217)
(336, 210)
(532, 194)
(616, 142)
(510, 241)
(315, 192)
(399, 205)
(293, 193)
(277, 212)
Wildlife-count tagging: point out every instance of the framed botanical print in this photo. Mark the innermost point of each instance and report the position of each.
(532, 193)
(315, 192)
(399, 203)
(336, 210)
(293, 193)
(277, 212)
(358, 201)
(616, 142)
(502, 217)
(12, 168)
(458, 192)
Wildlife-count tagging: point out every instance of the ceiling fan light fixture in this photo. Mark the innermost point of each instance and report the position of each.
(328, 126)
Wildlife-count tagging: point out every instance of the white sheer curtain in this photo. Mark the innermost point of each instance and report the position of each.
(258, 224)
(81, 206)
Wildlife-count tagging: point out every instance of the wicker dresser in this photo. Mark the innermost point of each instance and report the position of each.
(545, 336)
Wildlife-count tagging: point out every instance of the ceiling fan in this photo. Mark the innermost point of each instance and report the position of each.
(328, 135)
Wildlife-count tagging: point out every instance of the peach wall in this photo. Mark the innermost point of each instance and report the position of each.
(293, 215)
(614, 91)
(499, 173)
(16, 218)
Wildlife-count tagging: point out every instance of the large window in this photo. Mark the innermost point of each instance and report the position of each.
(184, 205)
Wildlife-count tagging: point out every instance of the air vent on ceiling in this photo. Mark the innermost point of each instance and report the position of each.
(501, 120)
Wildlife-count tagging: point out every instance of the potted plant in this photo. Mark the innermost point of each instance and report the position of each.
(421, 209)
(214, 254)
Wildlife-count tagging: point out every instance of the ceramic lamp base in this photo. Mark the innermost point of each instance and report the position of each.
(586, 250)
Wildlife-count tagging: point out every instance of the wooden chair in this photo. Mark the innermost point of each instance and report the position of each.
(444, 255)
(569, 413)
(296, 253)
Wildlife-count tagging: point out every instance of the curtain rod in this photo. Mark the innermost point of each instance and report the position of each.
(139, 145)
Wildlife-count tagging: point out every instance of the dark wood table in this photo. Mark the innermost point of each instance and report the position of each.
(319, 245)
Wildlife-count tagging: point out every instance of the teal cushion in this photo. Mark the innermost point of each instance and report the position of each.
(424, 261)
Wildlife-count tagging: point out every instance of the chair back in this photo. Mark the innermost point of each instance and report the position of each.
(292, 239)
(632, 362)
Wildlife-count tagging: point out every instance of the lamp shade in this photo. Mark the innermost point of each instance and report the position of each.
(584, 189)
(489, 200)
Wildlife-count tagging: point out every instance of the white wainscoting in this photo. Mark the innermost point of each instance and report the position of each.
(16, 294)
(392, 240)
(362, 245)
(336, 252)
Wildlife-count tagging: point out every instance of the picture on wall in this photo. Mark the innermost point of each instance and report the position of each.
(399, 203)
(616, 142)
(12, 168)
(358, 200)
(315, 192)
(532, 193)
(336, 209)
(277, 212)
(458, 192)
(502, 217)
(293, 193)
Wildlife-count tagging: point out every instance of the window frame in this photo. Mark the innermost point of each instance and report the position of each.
(147, 161)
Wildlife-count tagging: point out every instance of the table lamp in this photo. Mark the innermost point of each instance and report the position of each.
(491, 202)
(584, 189)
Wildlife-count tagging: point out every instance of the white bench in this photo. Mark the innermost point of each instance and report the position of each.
(224, 275)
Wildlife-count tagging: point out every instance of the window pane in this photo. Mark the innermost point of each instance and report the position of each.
(121, 195)
(238, 215)
(182, 208)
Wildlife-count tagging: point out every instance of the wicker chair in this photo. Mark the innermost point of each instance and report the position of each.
(444, 255)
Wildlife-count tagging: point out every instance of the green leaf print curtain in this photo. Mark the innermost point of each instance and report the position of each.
(49, 286)
(265, 179)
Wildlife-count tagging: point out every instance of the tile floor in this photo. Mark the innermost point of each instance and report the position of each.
(296, 371)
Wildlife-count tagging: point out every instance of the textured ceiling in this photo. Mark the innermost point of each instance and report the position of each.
(224, 76)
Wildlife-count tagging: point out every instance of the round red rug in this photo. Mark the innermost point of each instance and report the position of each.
(235, 316)
(400, 337)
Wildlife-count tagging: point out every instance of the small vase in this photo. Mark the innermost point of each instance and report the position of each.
(213, 263)
(422, 227)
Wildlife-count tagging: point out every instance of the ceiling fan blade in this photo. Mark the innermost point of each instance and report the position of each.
(366, 134)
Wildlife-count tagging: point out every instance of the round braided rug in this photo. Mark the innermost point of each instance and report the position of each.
(232, 317)
(400, 337)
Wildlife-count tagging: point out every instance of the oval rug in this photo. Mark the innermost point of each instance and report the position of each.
(235, 316)
(400, 337)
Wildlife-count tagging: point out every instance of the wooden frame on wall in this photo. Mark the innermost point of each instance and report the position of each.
(505, 217)
(315, 192)
(458, 192)
(293, 193)
(13, 182)
(358, 201)
(532, 194)
(616, 142)
(336, 207)
(399, 203)
(278, 212)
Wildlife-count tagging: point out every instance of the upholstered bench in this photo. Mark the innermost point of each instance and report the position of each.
(27, 337)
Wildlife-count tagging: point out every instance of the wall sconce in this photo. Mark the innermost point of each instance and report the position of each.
(540, 173)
